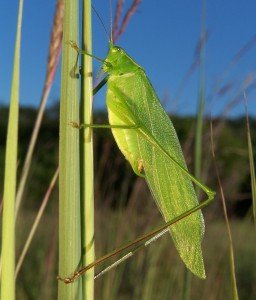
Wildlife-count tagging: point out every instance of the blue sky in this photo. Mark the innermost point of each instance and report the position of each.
(161, 37)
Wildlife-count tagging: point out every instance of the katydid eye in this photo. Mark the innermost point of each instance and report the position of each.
(117, 49)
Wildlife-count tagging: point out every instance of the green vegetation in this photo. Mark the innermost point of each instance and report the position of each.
(125, 209)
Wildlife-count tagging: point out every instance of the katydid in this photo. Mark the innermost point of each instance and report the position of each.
(145, 135)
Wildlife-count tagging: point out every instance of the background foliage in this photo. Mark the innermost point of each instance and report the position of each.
(125, 209)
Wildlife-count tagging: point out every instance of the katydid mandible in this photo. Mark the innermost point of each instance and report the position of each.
(145, 135)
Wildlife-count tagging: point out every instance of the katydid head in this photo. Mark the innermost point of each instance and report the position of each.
(118, 62)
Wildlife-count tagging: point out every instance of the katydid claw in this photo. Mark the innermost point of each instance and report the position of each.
(65, 280)
(73, 44)
(75, 124)
(68, 280)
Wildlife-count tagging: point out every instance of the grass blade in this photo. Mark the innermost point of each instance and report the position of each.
(8, 226)
(87, 177)
(69, 177)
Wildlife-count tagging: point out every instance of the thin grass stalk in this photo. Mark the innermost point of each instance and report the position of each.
(200, 109)
(48, 289)
(231, 248)
(150, 280)
(53, 58)
(8, 225)
(69, 176)
(87, 177)
(36, 222)
(251, 161)
(199, 127)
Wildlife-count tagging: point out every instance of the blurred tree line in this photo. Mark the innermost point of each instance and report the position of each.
(115, 183)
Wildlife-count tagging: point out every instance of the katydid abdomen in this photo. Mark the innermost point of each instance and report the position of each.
(131, 100)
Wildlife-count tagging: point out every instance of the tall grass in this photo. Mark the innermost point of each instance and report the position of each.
(69, 174)
(8, 225)
(87, 176)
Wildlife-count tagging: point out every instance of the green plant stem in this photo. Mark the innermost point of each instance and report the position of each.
(87, 188)
(8, 225)
(69, 176)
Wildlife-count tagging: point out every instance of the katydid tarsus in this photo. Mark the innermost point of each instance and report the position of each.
(145, 135)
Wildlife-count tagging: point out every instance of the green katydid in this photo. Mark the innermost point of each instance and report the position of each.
(145, 135)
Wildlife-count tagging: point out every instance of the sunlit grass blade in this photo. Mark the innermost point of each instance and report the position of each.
(69, 176)
(8, 223)
(87, 177)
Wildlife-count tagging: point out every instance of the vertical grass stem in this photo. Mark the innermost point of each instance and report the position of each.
(69, 168)
(87, 188)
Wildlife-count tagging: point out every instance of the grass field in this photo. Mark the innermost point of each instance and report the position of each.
(156, 272)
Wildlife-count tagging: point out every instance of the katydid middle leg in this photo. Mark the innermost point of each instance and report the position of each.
(102, 126)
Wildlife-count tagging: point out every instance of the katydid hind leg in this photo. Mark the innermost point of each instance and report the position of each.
(153, 236)
(146, 239)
